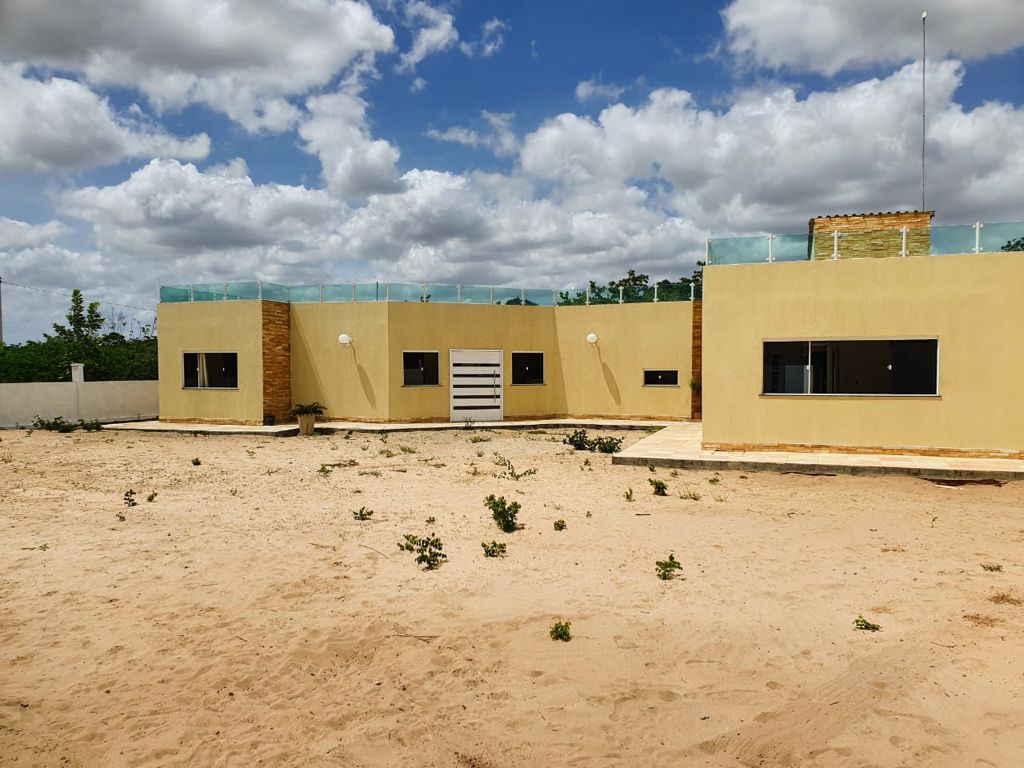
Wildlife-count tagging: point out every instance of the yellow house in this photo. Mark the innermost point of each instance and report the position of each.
(244, 353)
(870, 333)
(918, 351)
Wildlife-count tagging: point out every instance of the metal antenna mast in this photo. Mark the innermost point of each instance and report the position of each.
(924, 108)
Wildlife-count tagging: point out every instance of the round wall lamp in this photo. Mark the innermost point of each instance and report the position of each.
(344, 339)
(591, 338)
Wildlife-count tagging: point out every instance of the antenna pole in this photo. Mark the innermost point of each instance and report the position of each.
(924, 107)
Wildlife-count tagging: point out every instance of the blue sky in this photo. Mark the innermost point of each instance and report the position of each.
(531, 143)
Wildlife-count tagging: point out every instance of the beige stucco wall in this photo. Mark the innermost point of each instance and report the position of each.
(351, 382)
(416, 327)
(972, 303)
(606, 379)
(103, 400)
(214, 326)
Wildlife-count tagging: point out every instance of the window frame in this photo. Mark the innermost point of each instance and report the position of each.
(659, 386)
(543, 368)
(421, 352)
(209, 352)
(807, 370)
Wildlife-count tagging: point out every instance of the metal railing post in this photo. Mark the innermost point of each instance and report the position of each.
(522, 297)
(707, 251)
(321, 291)
(903, 235)
(835, 246)
(423, 295)
(621, 300)
(353, 291)
(226, 287)
(458, 294)
(771, 248)
(655, 293)
(490, 295)
(588, 295)
(977, 236)
(259, 283)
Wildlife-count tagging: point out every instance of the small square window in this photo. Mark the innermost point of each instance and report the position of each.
(661, 378)
(420, 369)
(527, 367)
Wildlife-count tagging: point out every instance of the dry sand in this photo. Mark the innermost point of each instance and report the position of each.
(244, 618)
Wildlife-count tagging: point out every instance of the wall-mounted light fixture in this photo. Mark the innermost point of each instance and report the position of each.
(591, 338)
(344, 339)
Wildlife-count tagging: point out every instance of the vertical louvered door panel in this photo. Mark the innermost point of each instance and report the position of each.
(476, 382)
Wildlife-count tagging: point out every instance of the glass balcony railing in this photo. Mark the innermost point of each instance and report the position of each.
(878, 243)
(427, 293)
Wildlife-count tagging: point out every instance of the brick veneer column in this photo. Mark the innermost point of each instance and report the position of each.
(695, 357)
(277, 360)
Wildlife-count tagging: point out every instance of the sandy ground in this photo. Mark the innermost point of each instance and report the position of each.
(243, 617)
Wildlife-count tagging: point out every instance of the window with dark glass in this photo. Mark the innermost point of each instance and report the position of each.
(420, 369)
(859, 367)
(210, 370)
(527, 367)
(662, 378)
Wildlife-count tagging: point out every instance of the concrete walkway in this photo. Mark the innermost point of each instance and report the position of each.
(679, 445)
(328, 427)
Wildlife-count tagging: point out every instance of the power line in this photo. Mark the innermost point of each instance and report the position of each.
(61, 293)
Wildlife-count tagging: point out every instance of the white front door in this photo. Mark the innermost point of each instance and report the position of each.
(476, 385)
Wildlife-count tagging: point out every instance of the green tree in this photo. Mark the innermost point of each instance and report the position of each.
(81, 336)
(1016, 244)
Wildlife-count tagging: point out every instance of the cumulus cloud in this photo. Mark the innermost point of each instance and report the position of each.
(58, 124)
(240, 58)
(594, 90)
(499, 137)
(182, 223)
(435, 32)
(16, 235)
(827, 36)
(354, 163)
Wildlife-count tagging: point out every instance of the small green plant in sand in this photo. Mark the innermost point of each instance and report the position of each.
(493, 548)
(431, 520)
(429, 552)
(90, 425)
(387, 453)
(504, 513)
(41, 547)
(56, 424)
(561, 630)
(196, 462)
(363, 513)
(666, 569)
(581, 441)
(690, 494)
(861, 623)
(992, 567)
(409, 542)
(659, 486)
(560, 525)
(510, 470)
(628, 494)
(715, 480)
(151, 497)
(120, 516)
(585, 466)
(129, 498)
(233, 492)
(324, 471)
(479, 439)
(369, 472)
(406, 449)
(607, 444)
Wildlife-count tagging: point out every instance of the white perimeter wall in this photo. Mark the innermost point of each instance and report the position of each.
(103, 400)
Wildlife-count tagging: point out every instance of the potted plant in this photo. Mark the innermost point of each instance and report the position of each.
(306, 414)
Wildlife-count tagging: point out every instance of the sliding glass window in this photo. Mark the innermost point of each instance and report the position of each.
(861, 367)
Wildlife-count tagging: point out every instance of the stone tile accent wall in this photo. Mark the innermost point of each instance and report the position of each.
(871, 235)
(277, 361)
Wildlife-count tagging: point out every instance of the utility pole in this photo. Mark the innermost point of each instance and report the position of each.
(1, 311)
(924, 103)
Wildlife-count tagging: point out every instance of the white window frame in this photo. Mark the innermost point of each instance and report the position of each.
(512, 367)
(422, 352)
(659, 386)
(209, 352)
(807, 365)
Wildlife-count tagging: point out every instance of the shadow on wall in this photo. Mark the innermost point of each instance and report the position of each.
(609, 380)
(364, 380)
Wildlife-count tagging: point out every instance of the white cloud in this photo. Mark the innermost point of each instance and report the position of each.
(831, 35)
(491, 40)
(16, 235)
(241, 58)
(58, 124)
(418, 84)
(354, 163)
(435, 32)
(594, 90)
(499, 137)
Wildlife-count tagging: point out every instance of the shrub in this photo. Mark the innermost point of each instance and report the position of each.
(479, 439)
(861, 623)
(431, 520)
(92, 425)
(992, 567)
(363, 513)
(658, 486)
(581, 441)
(578, 440)
(493, 549)
(666, 569)
(305, 409)
(429, 552)
(409, 543)
(57, 424)
(608, 444)
(510, 471)
(628, 494)
(196, 462)
(151, 497)
(561, 630)
(560, 525)
(129, 498)
(504, 513)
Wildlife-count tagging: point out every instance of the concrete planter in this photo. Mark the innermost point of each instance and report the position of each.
(306, 422)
